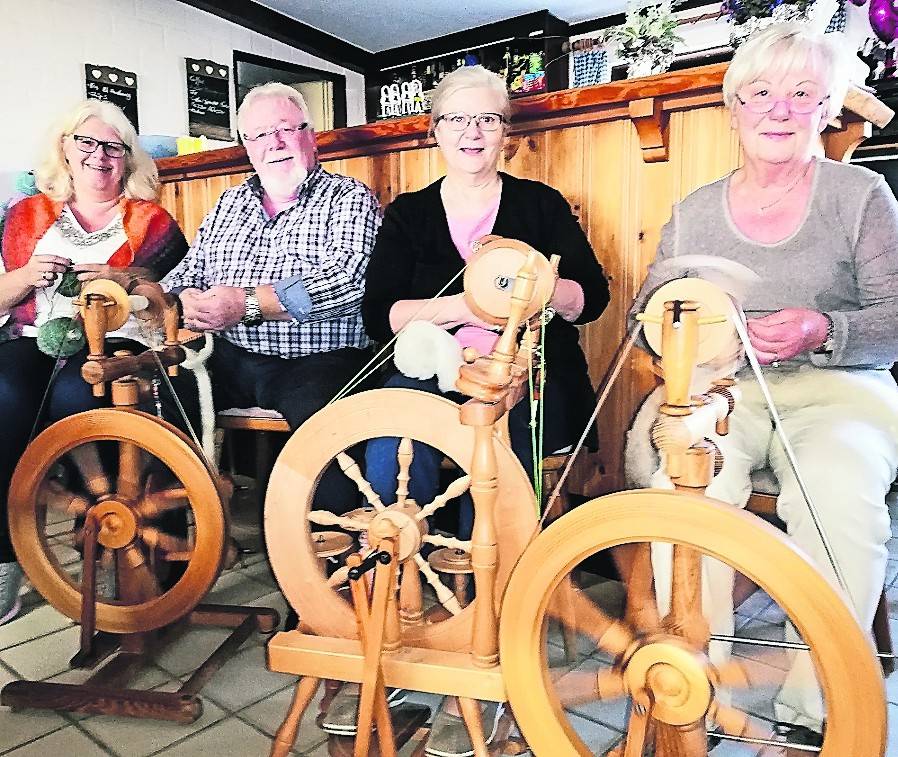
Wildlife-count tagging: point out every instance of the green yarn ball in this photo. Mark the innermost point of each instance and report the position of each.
(60, 337)
(69, 285)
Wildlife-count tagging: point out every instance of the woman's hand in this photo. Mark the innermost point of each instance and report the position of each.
(786, 333)
(41, 270)
(123, 276)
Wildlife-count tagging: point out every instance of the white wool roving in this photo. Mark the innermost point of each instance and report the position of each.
(424, 350)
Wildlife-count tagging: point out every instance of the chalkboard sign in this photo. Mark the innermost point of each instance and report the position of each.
(208, 99)
(112, 85)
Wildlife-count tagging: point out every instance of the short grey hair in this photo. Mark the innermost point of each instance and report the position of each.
(468, 77)
(273, 89)
(784, 47)
(140, 180)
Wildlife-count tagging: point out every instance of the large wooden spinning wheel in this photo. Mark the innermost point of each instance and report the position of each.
(411, 416)
(671, 685)
(134, 475)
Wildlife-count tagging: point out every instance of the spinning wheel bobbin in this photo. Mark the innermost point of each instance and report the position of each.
(456, 563)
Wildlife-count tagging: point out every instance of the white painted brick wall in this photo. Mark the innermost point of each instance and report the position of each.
(44, 45)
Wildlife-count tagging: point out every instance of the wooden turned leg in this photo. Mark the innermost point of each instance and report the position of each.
(285, 737)
(470, 711)
(460, 588)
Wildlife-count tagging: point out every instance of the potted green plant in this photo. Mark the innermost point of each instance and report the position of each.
(748, 16)
(647, 37)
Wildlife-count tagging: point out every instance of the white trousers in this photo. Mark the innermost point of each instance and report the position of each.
(843, 427)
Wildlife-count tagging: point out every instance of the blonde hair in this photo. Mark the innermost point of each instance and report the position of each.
(781, 48)
(273, 89)
(468, 77)
(140, 180)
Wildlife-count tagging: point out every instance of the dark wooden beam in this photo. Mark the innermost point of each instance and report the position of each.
(291, 32)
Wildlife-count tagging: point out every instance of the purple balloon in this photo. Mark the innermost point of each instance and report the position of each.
(884, 19)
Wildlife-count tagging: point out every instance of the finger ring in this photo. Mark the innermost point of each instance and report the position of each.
(48, 276)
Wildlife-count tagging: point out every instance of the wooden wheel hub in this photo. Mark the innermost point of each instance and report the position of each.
(118, 524)
(677, 678)
(401, 517)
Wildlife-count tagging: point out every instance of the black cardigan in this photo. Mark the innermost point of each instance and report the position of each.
(414, 257)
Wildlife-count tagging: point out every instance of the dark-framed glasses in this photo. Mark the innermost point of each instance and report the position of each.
(282, 132)
(461, 121)
(801, 101)
(90, 145)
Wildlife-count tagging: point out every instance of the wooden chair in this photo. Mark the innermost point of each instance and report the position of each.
(765, 490)
(265, 423)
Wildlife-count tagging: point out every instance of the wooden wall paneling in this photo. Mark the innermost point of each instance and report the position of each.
(526, 156)
(609, 150)
(414, 169)
(709, 147)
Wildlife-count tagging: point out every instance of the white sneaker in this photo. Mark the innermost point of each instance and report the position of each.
(10, 583)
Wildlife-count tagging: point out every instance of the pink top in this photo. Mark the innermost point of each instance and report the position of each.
(466, 231)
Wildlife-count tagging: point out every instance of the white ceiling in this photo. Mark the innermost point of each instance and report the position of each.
(376, 25)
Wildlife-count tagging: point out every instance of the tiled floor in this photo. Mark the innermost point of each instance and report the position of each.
(245, 702)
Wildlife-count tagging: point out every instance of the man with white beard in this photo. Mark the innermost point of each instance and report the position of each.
(277, 269)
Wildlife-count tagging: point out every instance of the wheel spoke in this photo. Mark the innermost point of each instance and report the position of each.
(638, 725)
(326, 518)
(634, 561)
(579, 687)
(735, 722)
(455, 489)
(87, 460)
(578, 612)
(747, 673)
(351, 468)
(157, 539)
(155, 503)
(685, 617)
(446, 541)
(55, 496)
(131, 466)
(444, 595)
(136, 573)
(404, 456)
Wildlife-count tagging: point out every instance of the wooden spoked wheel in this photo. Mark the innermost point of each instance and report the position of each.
(397, 413)
(136, 474)
(656, 668)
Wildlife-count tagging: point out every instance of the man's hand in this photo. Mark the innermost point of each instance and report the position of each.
(786, 333)
(216, 309)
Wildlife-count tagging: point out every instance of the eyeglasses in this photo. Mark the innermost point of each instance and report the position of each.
(90, 145)
(461, 121)
(282, 133)
(801, 102)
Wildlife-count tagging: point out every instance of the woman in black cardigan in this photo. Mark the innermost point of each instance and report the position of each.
(424, 241)
(420, 245)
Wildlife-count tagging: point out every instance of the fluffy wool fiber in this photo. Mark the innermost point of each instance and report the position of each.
(424, 350)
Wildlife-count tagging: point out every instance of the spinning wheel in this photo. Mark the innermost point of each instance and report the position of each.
(133, 497)
(127, 470)
(289, 516)
(670, 682)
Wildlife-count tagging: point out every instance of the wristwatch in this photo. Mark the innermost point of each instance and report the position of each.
(829, 343)
(253, 311)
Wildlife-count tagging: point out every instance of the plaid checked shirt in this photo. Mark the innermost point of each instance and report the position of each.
(325, 240)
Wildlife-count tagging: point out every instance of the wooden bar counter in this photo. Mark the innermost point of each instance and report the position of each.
(621, 153)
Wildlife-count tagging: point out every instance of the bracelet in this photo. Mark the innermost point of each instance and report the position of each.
(828, 343)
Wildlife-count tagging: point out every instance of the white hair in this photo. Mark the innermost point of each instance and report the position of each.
(273, 89)
(468, 77)
(781, 48)
(140, 180)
